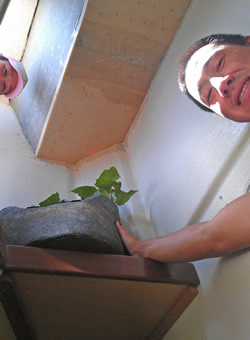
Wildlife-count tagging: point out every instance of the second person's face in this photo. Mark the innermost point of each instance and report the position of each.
(8, 77)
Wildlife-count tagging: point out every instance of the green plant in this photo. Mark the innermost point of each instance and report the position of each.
(106, 184)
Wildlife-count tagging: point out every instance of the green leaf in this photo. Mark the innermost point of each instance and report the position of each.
(107, 178)
(85, 191)
(53, 199)
(117, 186)
(121, 196)
(102, 192)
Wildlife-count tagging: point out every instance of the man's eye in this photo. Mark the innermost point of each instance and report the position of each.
(219, 63)
(209, 95)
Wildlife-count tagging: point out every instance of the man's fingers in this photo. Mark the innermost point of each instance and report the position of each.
(127, 239)
(117, 223)
(120, 228)
(124, 235)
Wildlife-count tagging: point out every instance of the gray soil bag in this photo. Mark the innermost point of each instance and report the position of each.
(83, 226)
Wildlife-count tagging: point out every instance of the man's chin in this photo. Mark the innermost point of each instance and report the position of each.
(240, 117)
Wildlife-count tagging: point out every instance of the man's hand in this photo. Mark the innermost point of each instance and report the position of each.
(129, 241)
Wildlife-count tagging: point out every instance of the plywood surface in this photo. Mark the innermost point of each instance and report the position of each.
(117, 53)
(88, 77)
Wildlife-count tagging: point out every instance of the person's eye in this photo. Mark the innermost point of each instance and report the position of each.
(219, 65)
(209, 96)
(5, 72)
(3, 87)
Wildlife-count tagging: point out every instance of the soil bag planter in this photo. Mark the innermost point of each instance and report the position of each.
(86, 225)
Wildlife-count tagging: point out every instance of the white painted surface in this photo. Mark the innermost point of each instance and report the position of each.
(188, 164)
(14, 36)
(24, 179)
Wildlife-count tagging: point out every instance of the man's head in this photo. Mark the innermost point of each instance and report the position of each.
(215, 73)
(13, 77)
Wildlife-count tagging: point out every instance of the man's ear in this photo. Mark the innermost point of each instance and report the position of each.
(247, 37)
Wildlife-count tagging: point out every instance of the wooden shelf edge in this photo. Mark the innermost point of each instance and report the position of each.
(175, 312)
(67, 262)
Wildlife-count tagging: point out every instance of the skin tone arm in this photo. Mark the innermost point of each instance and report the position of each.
(227, 232)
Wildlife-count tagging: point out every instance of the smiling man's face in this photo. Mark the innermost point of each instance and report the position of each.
(218, 76)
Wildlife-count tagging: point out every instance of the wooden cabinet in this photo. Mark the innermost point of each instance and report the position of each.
(57, 294)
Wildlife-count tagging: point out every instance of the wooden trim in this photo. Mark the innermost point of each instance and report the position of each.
(54, 261)
(14, 310)
(175, 312)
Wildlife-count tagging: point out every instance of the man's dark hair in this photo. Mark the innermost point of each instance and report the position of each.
(227, 39)
(3, 58)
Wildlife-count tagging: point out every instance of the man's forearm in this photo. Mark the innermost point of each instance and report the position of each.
(227, 232)
(192, 243)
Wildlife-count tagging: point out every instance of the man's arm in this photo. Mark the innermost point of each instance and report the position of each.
(227, 232)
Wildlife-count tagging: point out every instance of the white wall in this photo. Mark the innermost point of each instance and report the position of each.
(24, 179)
(188, 164)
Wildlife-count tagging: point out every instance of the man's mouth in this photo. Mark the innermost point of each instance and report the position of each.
(243, 91)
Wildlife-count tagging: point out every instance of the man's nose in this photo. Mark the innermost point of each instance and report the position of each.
(222, 84)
